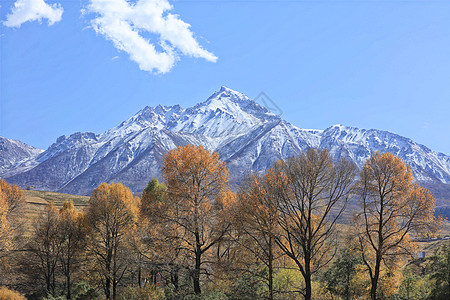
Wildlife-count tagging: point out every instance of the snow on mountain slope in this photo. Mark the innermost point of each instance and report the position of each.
(358, 144)
(14, 153)
(247, 136)
(225, 113)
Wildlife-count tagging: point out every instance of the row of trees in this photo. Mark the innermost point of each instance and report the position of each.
(276, 235)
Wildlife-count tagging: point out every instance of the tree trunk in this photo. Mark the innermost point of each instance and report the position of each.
(270, 266)
(373, 290)
(196, 274)
(48, 276)
(68, 286)
(108, 277)
(174, 278)
(307, 276)
(376, 275)
(114, 289)
(108, 288)
(69, 296)
(308, 287)
(114, 281)
(139, 273)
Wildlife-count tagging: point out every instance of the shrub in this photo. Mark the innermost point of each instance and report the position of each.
(144, 293)
(7, 294)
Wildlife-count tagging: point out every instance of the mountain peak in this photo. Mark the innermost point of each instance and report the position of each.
(13, 153)
(225, 93)
(245, 134)
(224, 89)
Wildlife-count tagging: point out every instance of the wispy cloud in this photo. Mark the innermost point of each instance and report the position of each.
(123, 23)
(33, 10)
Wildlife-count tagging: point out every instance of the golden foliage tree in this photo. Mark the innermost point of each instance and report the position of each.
(393, 208)
(14, 196)
(112, 214)
(256, 219)
(196, 184)
(44, 247)
(4, 224)
(73, 229)
(12, 203)
(312, 192)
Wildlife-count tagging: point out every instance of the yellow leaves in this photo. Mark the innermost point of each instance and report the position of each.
(13, 194)
(11, 202)
(225, 203)
(114, 202)
(194, 212)
(112, 214)
(193, 170)
(423, 204)
(4, 225)
(197, 181)
(387, 174)
(360, 282)
(393, 208)
(390, 281)
(72, 220)
(6, 293)
(4, 207)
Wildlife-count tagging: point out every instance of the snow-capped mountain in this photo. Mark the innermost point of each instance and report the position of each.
(248, 137)
(14, 153)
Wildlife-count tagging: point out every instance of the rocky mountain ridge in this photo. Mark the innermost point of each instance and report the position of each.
(247, 136)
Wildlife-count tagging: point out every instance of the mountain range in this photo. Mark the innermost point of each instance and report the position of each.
(247, 136)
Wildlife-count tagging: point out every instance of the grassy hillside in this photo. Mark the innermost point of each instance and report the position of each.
(36, 201)
(57, 198)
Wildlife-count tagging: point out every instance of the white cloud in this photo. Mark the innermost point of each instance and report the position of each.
(33, 10)
(123, 22)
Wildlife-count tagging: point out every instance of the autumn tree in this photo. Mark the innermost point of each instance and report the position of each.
(12, 203)
(256, 219)
(312, 192)
(112, 215)
(161, 247)
(393, 208)
(196, 184)
(44, 248)
(14, 197)
(4, 225)
(73, 229)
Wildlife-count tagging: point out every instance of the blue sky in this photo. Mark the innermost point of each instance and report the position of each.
(368, 64)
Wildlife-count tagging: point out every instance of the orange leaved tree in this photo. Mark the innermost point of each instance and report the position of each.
(14, 196)
(112, 214)
(4, 225)
(256, 220)
(73, 229)
(393, 208)
(44, 248)
(5, 237)
(196, 181)
(12, 203)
